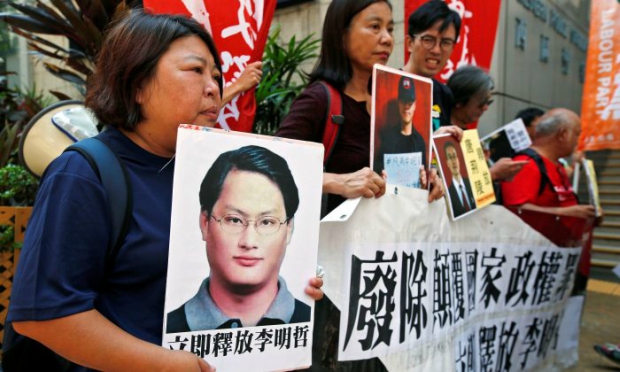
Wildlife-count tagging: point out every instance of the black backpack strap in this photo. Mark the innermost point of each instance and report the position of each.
(29, 355)
(544, 177)
(115, 181)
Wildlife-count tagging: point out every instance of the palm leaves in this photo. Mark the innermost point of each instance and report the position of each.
(282, 79)
(82, 22)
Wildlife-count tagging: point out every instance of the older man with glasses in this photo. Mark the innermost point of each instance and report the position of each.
(248, 201)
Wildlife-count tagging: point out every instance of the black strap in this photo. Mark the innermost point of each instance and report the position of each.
(115, 181)
(29, 355)
(544, 177)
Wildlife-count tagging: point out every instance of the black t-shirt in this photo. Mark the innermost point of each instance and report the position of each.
(394, 142)
(443, 100)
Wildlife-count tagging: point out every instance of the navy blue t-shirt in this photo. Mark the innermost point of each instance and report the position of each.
(61, 269)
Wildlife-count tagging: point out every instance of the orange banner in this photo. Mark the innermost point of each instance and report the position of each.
(600, 111)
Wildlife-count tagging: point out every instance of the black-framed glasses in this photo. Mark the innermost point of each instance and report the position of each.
(235, 224)
(429, 42)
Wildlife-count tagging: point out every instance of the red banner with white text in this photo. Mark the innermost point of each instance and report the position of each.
(239, 29)
(477, 36)
(600, 107)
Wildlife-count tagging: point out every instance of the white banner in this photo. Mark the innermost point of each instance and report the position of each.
(423, 293)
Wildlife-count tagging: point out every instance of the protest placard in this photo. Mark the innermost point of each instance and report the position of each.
(400, 125)
(243, 245)
(455, 176)
(507, 140)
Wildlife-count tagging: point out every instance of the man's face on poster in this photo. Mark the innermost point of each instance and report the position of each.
(453, 161)
(246, 248)
(406, 109)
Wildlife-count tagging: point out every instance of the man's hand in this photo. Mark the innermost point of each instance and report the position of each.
(314, 288)
(364, 183)
(452, 130)
(505, 169)
(581, 211)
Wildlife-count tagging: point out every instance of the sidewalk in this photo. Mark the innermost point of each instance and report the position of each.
(600, 324)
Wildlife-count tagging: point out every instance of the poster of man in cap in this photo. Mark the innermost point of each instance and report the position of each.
(400, 125)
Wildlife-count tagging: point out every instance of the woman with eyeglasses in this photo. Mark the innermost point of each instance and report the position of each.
(473, 89)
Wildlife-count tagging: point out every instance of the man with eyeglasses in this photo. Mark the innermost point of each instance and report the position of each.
(433, 31)
(248, 201)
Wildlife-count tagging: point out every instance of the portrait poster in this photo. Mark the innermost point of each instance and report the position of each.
(507, 140)
(400, 125)
(241, 250)
(479, 174)
(590, 172)
(455, 175)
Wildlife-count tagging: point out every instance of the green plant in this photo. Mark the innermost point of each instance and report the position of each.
(82, 22)
(17, 186)
(7, 239)
(282, 79)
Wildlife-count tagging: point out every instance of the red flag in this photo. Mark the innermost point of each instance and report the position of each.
(477, 37)
(239, 29)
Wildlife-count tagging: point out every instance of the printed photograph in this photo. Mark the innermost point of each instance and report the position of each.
(244, 238)
(455, 176)
(400, 125)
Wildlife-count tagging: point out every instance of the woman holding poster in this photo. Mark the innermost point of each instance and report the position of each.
(153, 73)
(346, 64)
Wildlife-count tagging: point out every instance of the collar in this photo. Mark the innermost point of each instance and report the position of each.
(458, 183)
(203, 314)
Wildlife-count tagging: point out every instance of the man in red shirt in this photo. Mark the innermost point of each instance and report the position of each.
(556, 137)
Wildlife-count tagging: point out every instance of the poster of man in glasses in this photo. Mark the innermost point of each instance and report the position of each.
(245, 254)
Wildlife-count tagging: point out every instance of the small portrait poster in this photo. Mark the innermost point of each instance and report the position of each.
(457, 182)
(400, 125)
(507, 140)
(588, 167)
(477, 168)
(243, 246)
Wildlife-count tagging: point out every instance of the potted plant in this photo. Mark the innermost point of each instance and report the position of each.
(283, 79)
(17, 187)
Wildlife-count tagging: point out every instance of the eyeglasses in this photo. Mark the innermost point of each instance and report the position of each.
(486, 102)
(429, 42)
(234, 224)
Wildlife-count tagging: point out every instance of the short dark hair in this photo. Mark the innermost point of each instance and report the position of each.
(429, 13)
(467, 81)
(250, 159)
(333, 65)
(529, 114)
(449, 144)
(127, 60)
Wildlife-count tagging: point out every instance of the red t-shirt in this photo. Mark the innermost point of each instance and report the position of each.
(524, 187)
